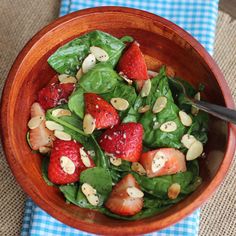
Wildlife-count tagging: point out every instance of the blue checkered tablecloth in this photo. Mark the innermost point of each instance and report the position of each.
(198, 17)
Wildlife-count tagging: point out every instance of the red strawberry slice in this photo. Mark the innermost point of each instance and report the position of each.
(119, 201)
(40, 136)
(103, 112)
(168, 161)
(132, 63)
(65, 174)
(55, 94)
(123, 141)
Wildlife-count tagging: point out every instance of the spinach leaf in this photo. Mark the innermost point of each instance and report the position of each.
(199, 127)
(44, 169)
(121, 90)
(141, 215)
(127, 39)
(100, 179)
(100, 158)
(69, 57)
(76, 102)
(70, 192)
(124, 167)
(100, 79)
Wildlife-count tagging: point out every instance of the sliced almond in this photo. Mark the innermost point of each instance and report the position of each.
(185, 119)
(124, 77)
(35, 122)
(62, 77)
(89, 124)
(99, 53)
(67, 165)
(84, 157)
(144, 109)
(158, 162)
(194, 151)
(61, 112)
(87, 189)
(93, 199)
(44, 150)
(119, 104)
(69, 79)
(88, 63)
(152, 74)
(187, 140)
(146, 88)
(115, 161)
(137, 167)
(134, 192)
(79, 74)
(159, 104)
(174, 191)
(51, 125)
(169, 126)
(194, 109)
(62, 135)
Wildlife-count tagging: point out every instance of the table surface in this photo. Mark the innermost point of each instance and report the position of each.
(20, 20)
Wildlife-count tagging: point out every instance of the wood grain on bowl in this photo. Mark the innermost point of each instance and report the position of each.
(162, 42)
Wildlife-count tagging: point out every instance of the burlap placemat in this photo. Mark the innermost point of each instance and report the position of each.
(19, 20)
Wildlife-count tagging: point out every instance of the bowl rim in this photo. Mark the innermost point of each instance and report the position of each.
(103, 229)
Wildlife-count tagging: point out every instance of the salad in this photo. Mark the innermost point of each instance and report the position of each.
(114, 136)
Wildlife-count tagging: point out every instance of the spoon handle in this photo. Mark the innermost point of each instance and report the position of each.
(215, 110)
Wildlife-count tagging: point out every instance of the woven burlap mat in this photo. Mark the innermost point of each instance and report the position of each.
(19, 20)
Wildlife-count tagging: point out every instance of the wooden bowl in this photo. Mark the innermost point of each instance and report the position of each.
(162, 42)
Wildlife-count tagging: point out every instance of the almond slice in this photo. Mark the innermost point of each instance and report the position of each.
(152, 74)
(158, 162)
(89, 124)
(169, 126)
(146, 88)
(88, 63)
(35, 122)
(187, 140)
(67, 165)
(137, 167)
(62, 77)
(159, 104)
(144, 109)
(79, 74)
(61, 112)
(69, 79)
(119, 104)
(195, 110)
(174, 191)
(134, 192)
(185, 119)
(194, 151)
(99, 53)
(156, 125)
(87, 189)
(51, 125)
(93, 199)
(84, 157)
(124, 77)
(62, 135)
(44, 150)
(115, 161)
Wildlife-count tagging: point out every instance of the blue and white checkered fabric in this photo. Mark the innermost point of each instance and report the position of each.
(198, 17)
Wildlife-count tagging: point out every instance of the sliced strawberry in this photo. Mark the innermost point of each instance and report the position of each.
(71, 150)
(132, 63)
(119, 201)
(40, 136)
(163, 161)
(123, 141)
(55, 94)
(103, 112)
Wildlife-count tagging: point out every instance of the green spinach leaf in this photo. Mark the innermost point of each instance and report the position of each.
(69, 57)
(70, 192)
(44, 169)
